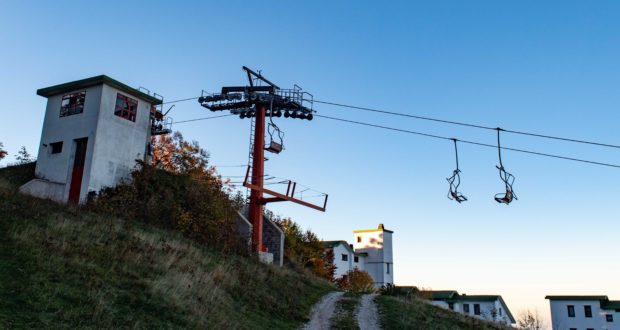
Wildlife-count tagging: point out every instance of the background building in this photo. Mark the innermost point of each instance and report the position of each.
(93, 132)
(584, 312)
(487, 307)
(371, 252)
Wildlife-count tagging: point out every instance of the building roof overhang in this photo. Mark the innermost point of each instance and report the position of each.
(94, 81)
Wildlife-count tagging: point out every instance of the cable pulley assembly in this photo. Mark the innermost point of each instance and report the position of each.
(507, 178)
(455, 180)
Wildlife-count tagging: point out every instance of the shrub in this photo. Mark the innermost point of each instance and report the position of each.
(357, 281)
(193, 203)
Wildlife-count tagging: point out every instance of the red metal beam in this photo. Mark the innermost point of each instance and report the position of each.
(258, 171)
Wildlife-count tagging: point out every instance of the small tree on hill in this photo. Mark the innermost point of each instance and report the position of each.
(530, 320)
(3, 153)
(357, 281)
(23, 156)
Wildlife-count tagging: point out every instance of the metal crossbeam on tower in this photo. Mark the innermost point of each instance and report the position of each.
(258, 102)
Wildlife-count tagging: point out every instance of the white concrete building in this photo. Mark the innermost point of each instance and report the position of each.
(93, 132)
(487, 307)
(371, 252)
(584, 312)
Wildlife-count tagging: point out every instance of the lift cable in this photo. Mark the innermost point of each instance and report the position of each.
(470, 125)
(203, 118)
(470, 142)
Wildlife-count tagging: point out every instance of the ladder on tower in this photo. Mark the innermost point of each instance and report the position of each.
(250, 154)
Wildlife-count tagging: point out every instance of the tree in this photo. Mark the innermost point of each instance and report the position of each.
(530, 320)
(357, 281)
(175, 154)
(23, 156)
(3, 152)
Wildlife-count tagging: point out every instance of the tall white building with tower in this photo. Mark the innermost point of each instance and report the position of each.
(94, 130)
(371, 251)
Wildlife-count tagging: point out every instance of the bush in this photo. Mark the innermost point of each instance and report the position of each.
(357, 281)
(193, 203)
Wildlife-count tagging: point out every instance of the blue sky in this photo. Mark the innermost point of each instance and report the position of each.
(547, 67)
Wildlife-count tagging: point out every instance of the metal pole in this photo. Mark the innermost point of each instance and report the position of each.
(258, 171)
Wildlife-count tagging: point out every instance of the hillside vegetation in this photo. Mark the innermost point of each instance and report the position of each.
(62, 267)
(402, 313)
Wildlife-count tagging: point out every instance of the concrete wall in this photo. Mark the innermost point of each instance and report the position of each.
(561, 320)
(56, 168)
(273, 239)
(119, 142)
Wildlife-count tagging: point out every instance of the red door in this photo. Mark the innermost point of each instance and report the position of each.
(78, 171)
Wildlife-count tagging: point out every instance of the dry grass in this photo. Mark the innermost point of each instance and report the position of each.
(64, 268)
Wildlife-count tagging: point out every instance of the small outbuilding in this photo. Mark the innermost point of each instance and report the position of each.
(94, 130)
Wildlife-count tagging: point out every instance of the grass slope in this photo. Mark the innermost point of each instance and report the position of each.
(67, 268)
(399, 313)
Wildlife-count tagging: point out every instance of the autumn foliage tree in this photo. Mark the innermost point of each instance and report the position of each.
(175, 154)
(3, 152)
(356, 280)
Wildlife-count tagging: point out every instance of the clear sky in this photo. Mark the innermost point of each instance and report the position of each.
(548, 67)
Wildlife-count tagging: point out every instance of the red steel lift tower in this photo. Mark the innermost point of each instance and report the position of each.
(260, 101)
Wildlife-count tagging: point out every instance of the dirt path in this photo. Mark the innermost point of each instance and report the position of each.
(367, 313)
(322, 312)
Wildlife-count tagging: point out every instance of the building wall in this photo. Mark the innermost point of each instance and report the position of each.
(342, 267)
(361, 261)
(118, 142)
(560, 319)
(56, 168)
(378, 245)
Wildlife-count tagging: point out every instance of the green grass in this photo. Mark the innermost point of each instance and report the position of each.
(344, 316)
(67, 268)
(399, 313)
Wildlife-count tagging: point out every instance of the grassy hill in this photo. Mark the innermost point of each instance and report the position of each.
(68, 268)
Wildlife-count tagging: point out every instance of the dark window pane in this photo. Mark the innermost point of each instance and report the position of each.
(571, 310)
(56, 147)
(72, 104)
(477, 309)
(345, 257)
(609, 317)
(356, 259)
(466, 308)
(126, 107)
(587, 309)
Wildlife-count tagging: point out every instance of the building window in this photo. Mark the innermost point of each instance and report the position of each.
(126, 107)
(500, 311)
(56, 147)
(609, 317)
(466, 308)
(587, 309)
(388, 268)
(573, 328)
(72, 104)
(476, 309)
(571, 310)
(451, 306)
(359, 239)
(345, 257)
(356, 259)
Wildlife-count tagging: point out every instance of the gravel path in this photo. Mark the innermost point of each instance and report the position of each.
(322, 312)
(367, 313)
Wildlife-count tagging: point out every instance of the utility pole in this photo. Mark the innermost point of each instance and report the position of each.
(258, 102)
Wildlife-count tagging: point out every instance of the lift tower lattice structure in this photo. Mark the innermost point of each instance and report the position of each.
(259, 99)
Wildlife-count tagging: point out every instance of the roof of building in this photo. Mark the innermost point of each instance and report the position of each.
(380, 228)
(94, 81)
(577, 297)
(604, 300)
(331, 244)
(361, 254)
(443, 294)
